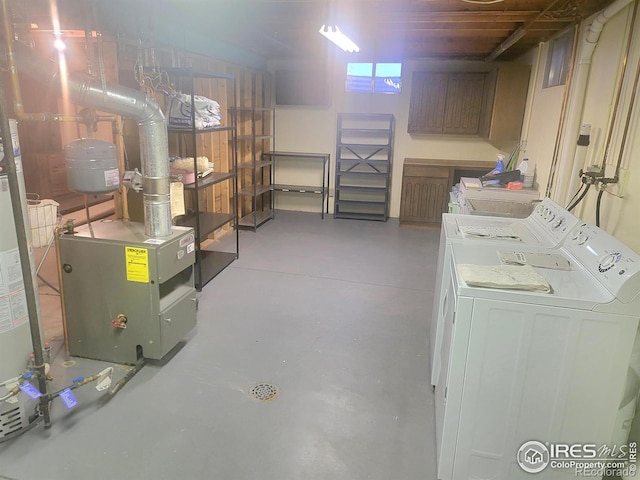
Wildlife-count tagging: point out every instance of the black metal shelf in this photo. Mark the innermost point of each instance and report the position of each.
(280, 187)
(208, 262)
(255, 180)
(209, 222)
(323, 190)
(362, 188)
(211, 179)
(190, 130)
(360, 203)
(360, 173)
(362, 216)
(255, 190)
(365, 132)
(364, 150)
(252, 109)
(212, 263)
(257, 164)
(364, 161)
(301, 155)
(254, 137)
(255, 219)
(368, 146)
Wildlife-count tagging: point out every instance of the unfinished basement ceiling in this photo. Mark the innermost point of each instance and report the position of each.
(391, 30)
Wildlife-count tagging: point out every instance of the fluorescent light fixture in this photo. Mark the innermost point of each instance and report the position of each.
(340, 39)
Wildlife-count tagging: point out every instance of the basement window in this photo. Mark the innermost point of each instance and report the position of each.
(558, 59)
(374, 77)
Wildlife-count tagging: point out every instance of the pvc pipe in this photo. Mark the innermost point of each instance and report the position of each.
(568, 178)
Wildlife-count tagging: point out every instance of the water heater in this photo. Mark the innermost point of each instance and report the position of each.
(17, 412)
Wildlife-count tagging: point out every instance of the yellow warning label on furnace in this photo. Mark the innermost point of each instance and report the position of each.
(137, 264)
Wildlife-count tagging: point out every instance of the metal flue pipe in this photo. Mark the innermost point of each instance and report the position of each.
(120, 100)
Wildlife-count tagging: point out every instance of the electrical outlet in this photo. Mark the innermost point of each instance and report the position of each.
(620, 189)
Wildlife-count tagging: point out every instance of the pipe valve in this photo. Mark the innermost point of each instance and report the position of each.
(132, 179)
(120, 321)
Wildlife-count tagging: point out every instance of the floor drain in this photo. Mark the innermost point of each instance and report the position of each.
(264, 392)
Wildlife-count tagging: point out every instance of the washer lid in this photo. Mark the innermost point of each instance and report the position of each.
(574, 288)
(455, 224)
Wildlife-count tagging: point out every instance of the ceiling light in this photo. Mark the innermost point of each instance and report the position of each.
(340, 39)
(59, 44)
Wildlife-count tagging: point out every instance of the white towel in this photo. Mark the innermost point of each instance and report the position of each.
(512, 277)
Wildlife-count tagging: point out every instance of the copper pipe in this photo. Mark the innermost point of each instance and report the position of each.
(563, 113)
(632, 102)
(117, 133)
(616, 104)
(18, 106)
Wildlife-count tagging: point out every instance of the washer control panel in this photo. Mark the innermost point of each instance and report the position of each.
(612, 262)
(553, 219)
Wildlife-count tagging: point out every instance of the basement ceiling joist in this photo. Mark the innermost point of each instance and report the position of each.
(400, 29)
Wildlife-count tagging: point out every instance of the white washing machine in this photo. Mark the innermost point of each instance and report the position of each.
(547, 226)
(520, 366)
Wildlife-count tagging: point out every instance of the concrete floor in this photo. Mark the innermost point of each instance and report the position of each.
(334, 313)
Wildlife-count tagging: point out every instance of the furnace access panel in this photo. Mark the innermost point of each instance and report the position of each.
(125, 295)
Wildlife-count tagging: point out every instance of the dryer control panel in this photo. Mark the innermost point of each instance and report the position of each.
(556, 221)
(614, 264)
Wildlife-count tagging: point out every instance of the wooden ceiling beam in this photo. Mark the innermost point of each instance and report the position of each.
(408, 18)
(475, 27)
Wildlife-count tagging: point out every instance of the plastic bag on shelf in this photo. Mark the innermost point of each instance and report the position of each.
(207, 113)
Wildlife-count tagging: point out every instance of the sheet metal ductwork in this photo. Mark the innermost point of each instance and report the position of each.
(117, 100)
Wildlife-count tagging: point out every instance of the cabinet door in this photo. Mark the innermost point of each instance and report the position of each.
(428, 97)
(424, 194)
(446, 102)
(465, 94)
(506, 99)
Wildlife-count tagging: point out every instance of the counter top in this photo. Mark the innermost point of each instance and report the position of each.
(433, 162)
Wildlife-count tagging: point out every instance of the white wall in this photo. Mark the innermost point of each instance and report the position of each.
(541, 119)
(618, 215)
(314, 129)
